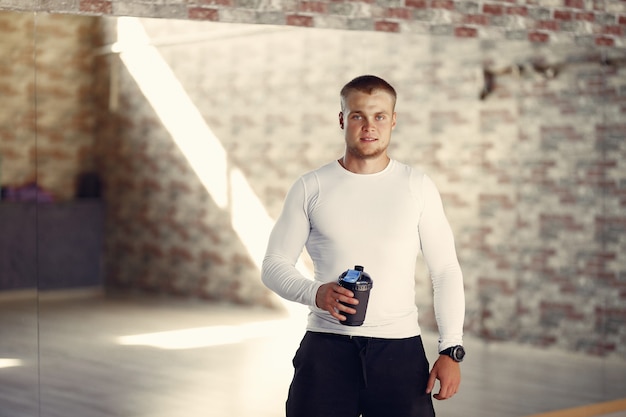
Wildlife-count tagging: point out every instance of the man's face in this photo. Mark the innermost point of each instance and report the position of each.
(367, 120)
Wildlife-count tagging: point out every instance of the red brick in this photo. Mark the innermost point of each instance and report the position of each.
(585, 16)
(476, 19)
(575, 4)
(55, 153)
(502, 201)
(399, 13)
(492, 285)
(152, 249)
(552, 25)
(228, 3)
(383, 26)
(538, 37)
(621, 20)
(213, 257)
(200, 13)
(516, 10)
(442, 4)
(495, 9)
(299, 20)
(611, 311)
(465, 32)
(180, 253)
(612, 30)
(556, 309)
(313, 7)
(96, 6)
(417, 4)
(563, 15)
(604, 41)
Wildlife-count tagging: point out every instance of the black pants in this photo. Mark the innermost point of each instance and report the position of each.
(342, 376)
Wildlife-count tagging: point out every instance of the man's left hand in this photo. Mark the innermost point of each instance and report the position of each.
(448, 372)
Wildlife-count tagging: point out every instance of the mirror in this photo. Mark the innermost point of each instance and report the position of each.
(147, 272)
(19, 331)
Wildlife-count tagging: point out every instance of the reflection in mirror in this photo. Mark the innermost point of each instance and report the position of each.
(18, 216)
(167, 148)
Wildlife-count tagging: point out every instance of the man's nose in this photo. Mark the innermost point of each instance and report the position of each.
(368, 124)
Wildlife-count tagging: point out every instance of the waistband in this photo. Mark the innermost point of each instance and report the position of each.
(338, 336)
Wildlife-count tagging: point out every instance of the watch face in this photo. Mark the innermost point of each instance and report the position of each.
(458, 353)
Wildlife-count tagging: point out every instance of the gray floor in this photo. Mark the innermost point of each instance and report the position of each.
(138, 356)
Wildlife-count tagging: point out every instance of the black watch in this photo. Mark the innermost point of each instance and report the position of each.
(457, 353)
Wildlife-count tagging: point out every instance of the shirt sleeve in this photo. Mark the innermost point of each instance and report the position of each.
(440, 256)
(285, 245)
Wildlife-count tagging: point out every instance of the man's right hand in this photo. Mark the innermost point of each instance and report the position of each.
(329, 297)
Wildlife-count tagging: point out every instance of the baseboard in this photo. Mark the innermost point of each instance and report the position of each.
(50, 295)
(18, 295)
(70, 293)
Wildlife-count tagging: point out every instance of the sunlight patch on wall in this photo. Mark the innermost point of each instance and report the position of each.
(194, 137)
(249, 217)
(179, 115)
(228, 187)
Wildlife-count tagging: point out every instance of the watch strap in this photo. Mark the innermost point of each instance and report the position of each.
(457, 353)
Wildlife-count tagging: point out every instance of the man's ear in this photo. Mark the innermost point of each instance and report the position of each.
(341, 120)
(393, 120)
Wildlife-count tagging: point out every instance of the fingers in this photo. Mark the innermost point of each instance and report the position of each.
(445, 393)
(330, 298)
(446, 390)
(431, 382)
(338, 296)
(345, 295)
(449, 375)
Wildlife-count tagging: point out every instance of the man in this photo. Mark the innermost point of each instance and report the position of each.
(367, 209)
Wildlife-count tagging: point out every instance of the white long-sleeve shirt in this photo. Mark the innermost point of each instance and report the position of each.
(379, 221)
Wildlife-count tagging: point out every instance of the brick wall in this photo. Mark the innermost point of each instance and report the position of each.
(46, 123)
(595, 22)
(532, 176)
